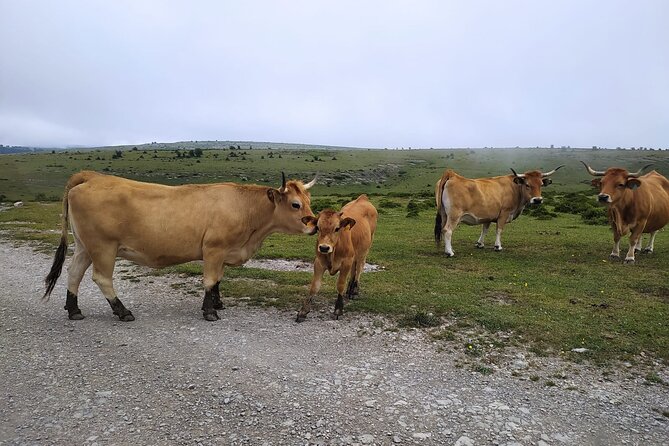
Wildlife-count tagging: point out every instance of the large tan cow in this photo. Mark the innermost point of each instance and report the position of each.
(157, 225)
(637, 204)
(482, 201)
(344, 239)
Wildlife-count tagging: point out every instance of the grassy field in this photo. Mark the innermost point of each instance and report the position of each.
(552, 288)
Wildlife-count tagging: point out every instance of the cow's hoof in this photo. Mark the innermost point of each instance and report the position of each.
(213, 316)
(301, 318)
(647, 251)
(75, 316)
(450, 254)
(629, 261)
(128, 317)
(498, 248)
(336, 315)
(479, 245)
(614, 257)
(218, 305)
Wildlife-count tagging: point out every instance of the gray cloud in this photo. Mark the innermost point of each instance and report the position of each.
(372, 74)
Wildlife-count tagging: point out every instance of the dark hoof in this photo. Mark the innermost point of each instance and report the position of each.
(629, 261)
(127, 317)
(498, 248)
(213, 316)
(301, 318)
(479, 245)
(450, 254)
(76, 316)
(647, 251)
(218, 305)
(613, 257)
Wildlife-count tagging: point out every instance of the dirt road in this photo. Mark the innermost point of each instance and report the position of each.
(256, 377)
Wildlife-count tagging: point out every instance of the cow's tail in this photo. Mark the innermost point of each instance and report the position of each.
(438, 192)
(61, 252)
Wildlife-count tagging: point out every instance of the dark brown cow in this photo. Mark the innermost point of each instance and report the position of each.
(344, 239)
(637, 204)
(482, 201)
(157, 226)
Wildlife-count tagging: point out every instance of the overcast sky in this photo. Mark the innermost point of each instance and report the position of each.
(351, 73)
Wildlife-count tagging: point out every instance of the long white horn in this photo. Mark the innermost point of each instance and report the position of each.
(594, 173)
(311, 183)
(638, 172)
(522, 175)
(547, 174)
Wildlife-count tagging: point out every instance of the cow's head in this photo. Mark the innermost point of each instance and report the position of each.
(329, 224)
(292, 202)
(531, 183)
(614, 182)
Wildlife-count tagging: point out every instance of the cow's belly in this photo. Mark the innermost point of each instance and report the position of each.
(156, 260)
(471, 219)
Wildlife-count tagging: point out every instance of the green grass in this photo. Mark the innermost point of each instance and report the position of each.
(551, 289)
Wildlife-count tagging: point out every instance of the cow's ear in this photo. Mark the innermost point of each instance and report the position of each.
(273, 195)
(519, 180)
(596, 182)
(348, 221)
(546, 181)
(633, 183)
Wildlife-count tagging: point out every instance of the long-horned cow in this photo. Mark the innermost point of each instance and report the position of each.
(482, 201)
(157, 226)
(344, 239)
(637, 204)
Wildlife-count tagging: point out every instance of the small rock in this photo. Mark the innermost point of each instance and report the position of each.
(421, 435)
(579, 350)
(366, 438)
(464, 441)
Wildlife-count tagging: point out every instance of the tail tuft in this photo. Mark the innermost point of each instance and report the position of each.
(56, 269)
(437, 227)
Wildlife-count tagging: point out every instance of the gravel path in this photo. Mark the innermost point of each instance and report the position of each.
(256, 377)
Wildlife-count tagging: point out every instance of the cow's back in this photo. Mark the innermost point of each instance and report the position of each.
(365, 215)
(483, 197)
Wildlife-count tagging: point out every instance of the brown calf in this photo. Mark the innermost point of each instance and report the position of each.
(344, 239)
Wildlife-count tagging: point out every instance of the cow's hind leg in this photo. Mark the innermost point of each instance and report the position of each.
(450, 225)
(103, 268)
(353, 288)
(75, 273)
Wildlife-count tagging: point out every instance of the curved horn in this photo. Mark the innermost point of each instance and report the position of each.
(522, 175)
(638, 172)
(283, 182)
(311, 183)
(547, 174)
(594, 173)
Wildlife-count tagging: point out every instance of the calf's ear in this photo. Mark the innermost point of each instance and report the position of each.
(633, 183)
(311, 222)
(348, 221)
(596, 182)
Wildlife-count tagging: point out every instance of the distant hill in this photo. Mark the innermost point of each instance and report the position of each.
(21, 149)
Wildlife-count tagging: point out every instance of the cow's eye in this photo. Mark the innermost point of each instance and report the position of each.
(337, 229)
(296, 205)
(621, 186)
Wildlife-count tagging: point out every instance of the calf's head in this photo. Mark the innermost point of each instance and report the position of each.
(531, 183)
(614, 182)
(329, 224)
(292, 203)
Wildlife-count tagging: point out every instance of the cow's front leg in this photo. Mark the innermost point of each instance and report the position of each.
(484, 230)
(341, 288)
(213, 271)
(498, 233)
(316, 282)
(615, 252)
(649, 248)
(635, 236)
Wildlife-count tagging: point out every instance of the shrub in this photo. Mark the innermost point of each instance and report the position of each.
(389, 204)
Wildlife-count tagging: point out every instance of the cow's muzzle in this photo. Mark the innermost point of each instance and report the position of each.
(604, 198)
(536, 200)
(324, 249)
